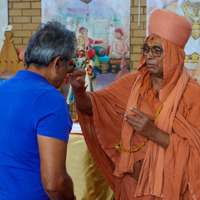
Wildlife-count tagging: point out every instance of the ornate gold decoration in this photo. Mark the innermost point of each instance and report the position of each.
(8, 57)
(192, 13)
(193, 58)
(91, 76)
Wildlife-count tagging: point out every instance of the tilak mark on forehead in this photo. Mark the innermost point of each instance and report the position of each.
(152, 40)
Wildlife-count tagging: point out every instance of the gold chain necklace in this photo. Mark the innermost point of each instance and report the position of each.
(119, 146)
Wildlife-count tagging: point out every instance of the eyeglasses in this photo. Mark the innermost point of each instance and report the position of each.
(155, 50)
(71, 67)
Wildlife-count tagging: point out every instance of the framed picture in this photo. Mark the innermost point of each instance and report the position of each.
(102, 28)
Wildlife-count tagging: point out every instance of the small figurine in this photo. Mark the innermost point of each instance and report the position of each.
(82, 60)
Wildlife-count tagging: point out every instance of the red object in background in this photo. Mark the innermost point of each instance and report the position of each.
(89, 70)
(66, 80)
(91, 53)
(119, 30)
(108, 50)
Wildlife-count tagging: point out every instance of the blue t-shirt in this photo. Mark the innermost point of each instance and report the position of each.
(29, 105)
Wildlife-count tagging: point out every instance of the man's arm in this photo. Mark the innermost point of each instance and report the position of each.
(56, 182)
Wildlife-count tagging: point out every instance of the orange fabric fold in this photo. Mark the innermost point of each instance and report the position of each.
(153, 184)
(102, 133)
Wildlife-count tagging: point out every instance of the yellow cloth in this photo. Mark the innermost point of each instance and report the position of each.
(88, 182)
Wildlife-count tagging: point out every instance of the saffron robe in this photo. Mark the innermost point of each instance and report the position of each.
(171, 174)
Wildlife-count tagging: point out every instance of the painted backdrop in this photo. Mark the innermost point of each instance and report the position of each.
(4, 19)
(191, 10)
(101, 26)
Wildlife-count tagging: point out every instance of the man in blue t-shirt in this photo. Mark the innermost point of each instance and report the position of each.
(35, 121)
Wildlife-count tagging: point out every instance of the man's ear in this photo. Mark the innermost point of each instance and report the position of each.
(56, 63)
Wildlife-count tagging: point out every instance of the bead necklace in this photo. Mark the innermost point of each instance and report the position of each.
(119, 146)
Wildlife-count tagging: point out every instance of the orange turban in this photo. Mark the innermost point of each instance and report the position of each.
(171, 26)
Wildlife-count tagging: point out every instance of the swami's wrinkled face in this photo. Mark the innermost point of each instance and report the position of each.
(153, 52)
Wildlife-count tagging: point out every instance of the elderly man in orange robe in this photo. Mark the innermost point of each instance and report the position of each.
(151, 117)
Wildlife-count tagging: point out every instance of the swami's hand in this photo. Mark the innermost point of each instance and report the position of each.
(77, 79)
(143, 125)
(82, 98)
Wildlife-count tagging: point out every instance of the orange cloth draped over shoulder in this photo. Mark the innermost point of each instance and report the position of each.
(169, 174)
